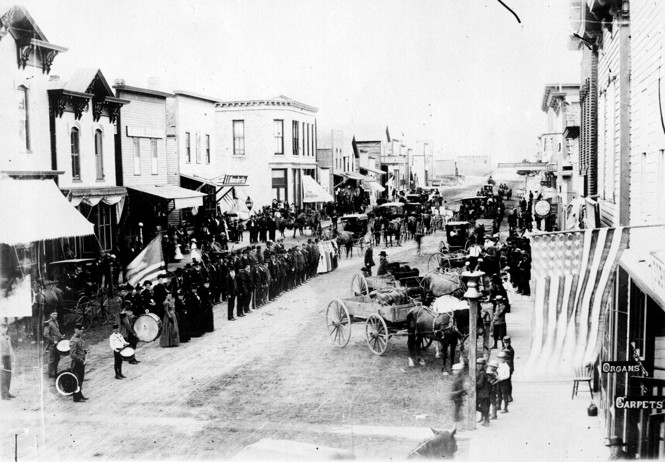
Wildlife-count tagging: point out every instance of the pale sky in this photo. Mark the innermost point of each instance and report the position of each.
(461, 73)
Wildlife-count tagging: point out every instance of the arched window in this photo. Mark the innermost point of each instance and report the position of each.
(23, 117)
(99, 154)
(75, 150)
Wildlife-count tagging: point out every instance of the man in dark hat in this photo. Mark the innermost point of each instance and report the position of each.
(369, 258)
(126, 328)
(117, 343)
(148, 298)
(77, 353)
(230, 289)
(383, 264)
(483, 387)
(616, 446)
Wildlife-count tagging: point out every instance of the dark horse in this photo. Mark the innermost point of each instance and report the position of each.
(427, 324)
(441, 446)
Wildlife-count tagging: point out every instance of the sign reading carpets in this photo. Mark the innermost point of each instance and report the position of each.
(573, 274)
(148, 264)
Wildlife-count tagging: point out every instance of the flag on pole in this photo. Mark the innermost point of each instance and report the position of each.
(573, 273)
(355, 148)
(148, 264)
(388, 134)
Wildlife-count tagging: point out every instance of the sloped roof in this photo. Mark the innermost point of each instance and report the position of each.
(20, 24)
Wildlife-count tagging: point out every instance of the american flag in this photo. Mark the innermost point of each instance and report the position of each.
(148, 264)
(573, 273)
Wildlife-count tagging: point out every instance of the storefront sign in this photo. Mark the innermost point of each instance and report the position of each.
(617, 367)
(235, 180)
(640, 402)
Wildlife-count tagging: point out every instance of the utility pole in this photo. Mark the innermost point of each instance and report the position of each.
(472, 295)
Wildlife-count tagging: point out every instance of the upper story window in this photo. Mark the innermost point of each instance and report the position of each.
(23, 117)
(137, 156)
(278, 133)
(99, 154)
(198, 148)
(188, 148)
(75, 137)
(295, 128)
(238, 137)
(207, 149)
(154, 158)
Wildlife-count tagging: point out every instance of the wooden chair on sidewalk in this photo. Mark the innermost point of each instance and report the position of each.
(582, 374)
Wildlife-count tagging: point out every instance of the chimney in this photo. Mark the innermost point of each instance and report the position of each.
(119, 82)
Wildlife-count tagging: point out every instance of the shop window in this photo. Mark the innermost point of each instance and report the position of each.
(279, 184)
(76, 153)
(99, 154)
(207, 149)
(238, 137)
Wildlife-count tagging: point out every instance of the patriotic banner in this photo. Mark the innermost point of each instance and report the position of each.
(573, 273)
(148, 264)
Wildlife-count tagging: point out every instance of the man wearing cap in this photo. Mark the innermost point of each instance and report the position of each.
(6, 354)
(77, 353)
(52, 336)
(117, 343)
(482, 392)
(126, 323)
(383, 264)
(503, 378)
(494, 387)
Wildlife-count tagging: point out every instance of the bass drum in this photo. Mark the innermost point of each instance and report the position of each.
(66, 383)
(148, 327)
(63, 347)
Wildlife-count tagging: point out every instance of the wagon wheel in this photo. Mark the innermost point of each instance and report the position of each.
(359, 285)
(425, 343)
(83, 308)
(376, 334)
(338, 321)
(434, 262)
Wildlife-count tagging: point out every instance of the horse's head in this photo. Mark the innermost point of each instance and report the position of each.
(443, 444)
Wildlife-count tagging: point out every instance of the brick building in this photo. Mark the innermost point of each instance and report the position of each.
(273, 142)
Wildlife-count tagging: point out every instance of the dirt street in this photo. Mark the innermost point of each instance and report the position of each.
(273, 374)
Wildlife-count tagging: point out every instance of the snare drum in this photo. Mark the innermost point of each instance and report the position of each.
(63, 347)
(148, 327)
(67, 383)
(127, 353)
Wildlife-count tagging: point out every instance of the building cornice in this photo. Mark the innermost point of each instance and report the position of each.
(266, 103)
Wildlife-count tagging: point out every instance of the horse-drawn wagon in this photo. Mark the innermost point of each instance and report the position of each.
(381, 320)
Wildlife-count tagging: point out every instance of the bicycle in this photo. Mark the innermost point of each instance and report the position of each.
(96, 306)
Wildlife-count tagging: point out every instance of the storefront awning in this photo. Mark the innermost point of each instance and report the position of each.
(92, 196)
(313, 191)
(373, 186)
(355, 176)
(642, 272)
(182, 198)
(35, 210)
(374, 170)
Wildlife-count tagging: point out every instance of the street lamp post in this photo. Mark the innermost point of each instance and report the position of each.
(472, 295)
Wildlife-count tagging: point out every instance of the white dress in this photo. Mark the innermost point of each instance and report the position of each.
(194, 252)
(178, 253)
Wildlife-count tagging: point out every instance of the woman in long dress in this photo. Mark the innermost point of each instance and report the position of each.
(170, 333)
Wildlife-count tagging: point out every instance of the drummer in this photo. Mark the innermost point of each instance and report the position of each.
(52, 336)
(126, 323)
(117, 343)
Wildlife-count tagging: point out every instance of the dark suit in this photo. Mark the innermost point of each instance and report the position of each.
(369, 260)
(383, 267)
